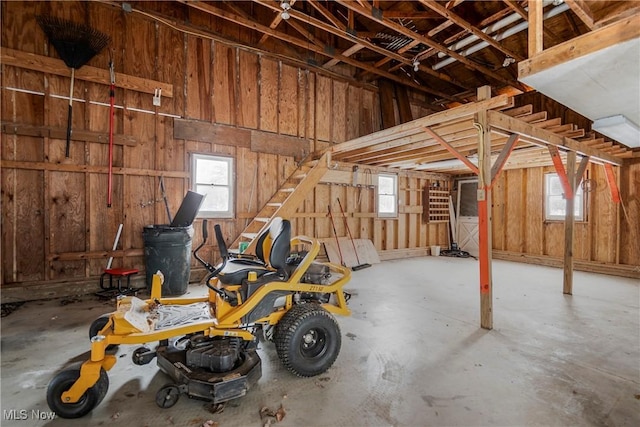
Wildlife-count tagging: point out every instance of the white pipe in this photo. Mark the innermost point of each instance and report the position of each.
(511, 31)
(493, 28)
(115, 245)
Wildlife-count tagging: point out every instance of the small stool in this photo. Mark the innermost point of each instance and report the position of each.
(118, 274)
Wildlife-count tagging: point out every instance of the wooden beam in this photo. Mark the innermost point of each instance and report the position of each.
(452, 150)
(367, 12)
(510, 125)
(283, 145)
(612, 34)
(65, 167)
(582, 10)
(198, 130)
(347, 53)
(45, 64)
(569, 221)
(61, 133)
(536, 23)
(437, 7)
(503, 157)
(484, 213)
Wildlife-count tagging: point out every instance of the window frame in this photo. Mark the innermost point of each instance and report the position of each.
(203, 213)
(579, 197)
(393, 214)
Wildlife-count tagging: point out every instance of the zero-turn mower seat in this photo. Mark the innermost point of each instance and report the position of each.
(273, 243)
(278, 256)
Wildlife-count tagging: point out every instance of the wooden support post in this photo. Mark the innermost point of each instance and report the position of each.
(484, 212)
(536, 22)
(569, 220)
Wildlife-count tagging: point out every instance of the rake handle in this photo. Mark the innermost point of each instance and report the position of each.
(69, 115)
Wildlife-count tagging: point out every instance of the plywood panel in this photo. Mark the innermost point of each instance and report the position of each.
(249, 105)
(199, 103)
(172, 48)
(629, 230)
(67, 211)
(311, 107)
(324, 112)
(339, 107)
(515, 211)
(288, 100)
(603, 218)
(534, 211)
(302, 103)
(19, 27)
(267, 183)
(499, 204)
(142, 127)
(225, 81)
(353, 112)
(268, 95)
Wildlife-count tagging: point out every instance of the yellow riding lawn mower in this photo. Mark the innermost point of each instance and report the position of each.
(208, 345)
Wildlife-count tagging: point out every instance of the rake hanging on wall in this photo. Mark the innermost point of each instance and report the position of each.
(76, 44)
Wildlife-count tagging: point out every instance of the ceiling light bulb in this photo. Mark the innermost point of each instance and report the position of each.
(416, 65)
(557, 2)
(285, 10)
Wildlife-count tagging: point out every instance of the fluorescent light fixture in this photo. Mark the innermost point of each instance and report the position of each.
(620, 129)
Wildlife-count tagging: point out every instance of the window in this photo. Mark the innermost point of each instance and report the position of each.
(555, 204)
(387, 195)
(213, 177)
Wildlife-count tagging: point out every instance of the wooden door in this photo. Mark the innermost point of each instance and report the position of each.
(467, 222)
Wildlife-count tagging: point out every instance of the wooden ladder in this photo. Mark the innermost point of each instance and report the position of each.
(285, 201)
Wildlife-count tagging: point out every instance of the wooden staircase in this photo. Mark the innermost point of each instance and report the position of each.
(285, 201)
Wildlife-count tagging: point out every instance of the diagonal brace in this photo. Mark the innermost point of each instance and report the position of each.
(504, 155)
(451, 149)
(562, 174)
(613, 186)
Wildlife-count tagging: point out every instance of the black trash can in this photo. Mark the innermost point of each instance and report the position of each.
(168, 249)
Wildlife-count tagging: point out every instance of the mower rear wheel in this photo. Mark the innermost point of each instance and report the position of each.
(97, 325)
(308, 340)
(89, 400)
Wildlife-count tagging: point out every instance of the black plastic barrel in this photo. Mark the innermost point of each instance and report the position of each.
(168, 249)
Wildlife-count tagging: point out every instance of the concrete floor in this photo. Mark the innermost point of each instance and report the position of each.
(412, 355)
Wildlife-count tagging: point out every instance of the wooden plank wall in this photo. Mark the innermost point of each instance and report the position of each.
(56, 226)
(608, 235)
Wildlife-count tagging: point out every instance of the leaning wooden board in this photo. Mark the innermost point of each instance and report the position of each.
(366, 251)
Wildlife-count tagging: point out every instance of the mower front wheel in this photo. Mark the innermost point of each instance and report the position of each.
(89, 400)
(308, 340)
(99, 324)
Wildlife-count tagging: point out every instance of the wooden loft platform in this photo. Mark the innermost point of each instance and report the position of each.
(447, 141)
